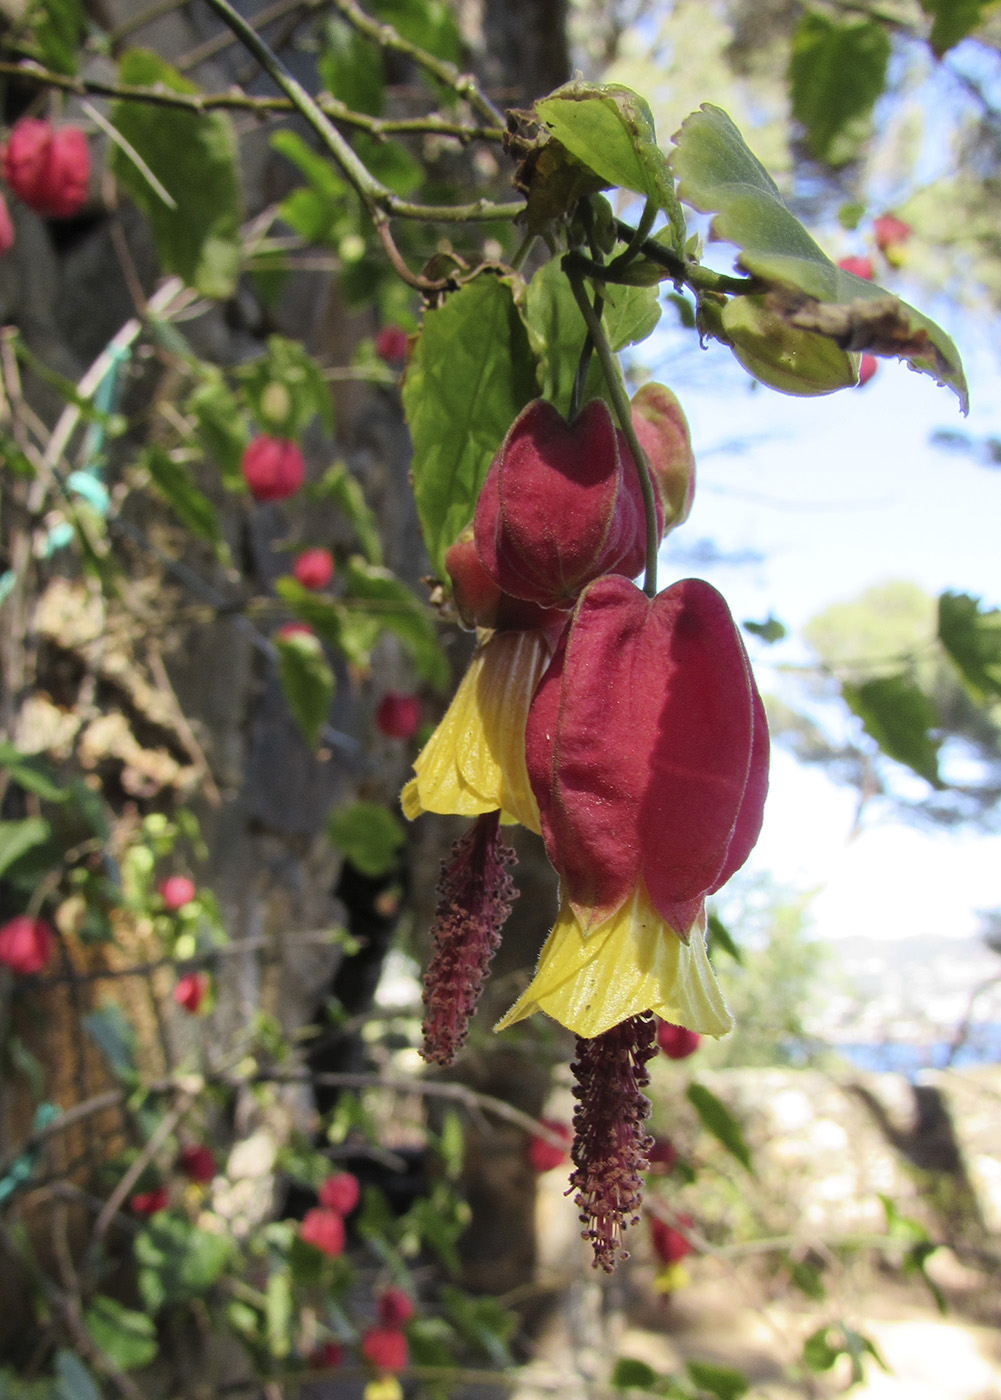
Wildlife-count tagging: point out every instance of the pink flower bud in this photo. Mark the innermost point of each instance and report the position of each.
(324, 1230)
(663, 435)
(890, 232)
(191, 990)
(544, 1156)
(47, 167)
(391, 344)
(314, 568)
(676, 1042)
(860, 267)
(340, 1193)
(149, 1202)
(669, 1244)
(26, 945)
(385, 1347)
(273, 468)
(176, 891)
(868, 366)
(398, 716)
(395, 1308)
(6, 228)
(197, 1162)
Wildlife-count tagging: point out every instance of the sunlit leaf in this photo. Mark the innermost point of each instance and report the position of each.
(718, 1120)
(898, 715)
(127, 1338)
(174, 482)
(953, 20)
(837, 70)
(972, 637)
(19, 837)
(724, 1382)
(177, 1260)
(368, 835)
(307, 682)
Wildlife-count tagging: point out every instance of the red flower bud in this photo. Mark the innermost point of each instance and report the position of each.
(890, 232)
(6, 228)
(47, 167)
(176, 891)
(555, 510)
(324, 1230)
(391, 344)
(662, 1155)
(272, 468)
(330, 1354)
(385, 1347)
(197, 1162)
(476, 595)
(340, 1193)
(544, 1156)
(663, 435)
(191, 990)
(669, 1244)
(860, 267)
(398, 716)
(314, 568)
(26, 945)
(149, 1202)
(395, 1308)
(676, 1042)
(868, 365)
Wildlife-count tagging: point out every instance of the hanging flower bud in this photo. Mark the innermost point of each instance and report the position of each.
(555, 510)
(47, 167)
(398, 715)
(272, 468)
(314, 568)
(26, 945)
(662, 430)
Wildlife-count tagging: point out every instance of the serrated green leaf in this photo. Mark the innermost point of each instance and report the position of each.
(630, 1374)
(380, 596)
(127, 1338)
(17, 838)
(469, 376)
(177, 1260)
(191, 506)
(368, 835)
(194, 157)
(73, 1380)
(898, 715)
(972, 637)
(837, 70)
(718, 1120)
(953, 20)
(724, 1382)
(307, 682)
(610, 129)
(718, 175)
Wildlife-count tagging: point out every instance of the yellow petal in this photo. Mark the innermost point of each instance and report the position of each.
(475, 760)
(631, 963)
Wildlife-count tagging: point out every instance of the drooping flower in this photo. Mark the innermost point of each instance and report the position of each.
(324, 1230)
(395, 1308)
(197, 1162)
(273, 468)
(149, 1202)
(669, 1244)
(391, 345)
(26, 945)
(868, 365)
(647, 751)
(47, 167)
(859, 266)
(6, 228)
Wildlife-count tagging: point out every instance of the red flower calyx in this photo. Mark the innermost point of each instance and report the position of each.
(676, 1042)
(397, 715)
(314, 568)
(273, 468)
(385, 1347)
(191, 990)
(176, 891)
(197, 1162)
(395, 1308)
(6, 228)
(858, 267)
(324, 1230)
(340, 1193)
(26, 945)
(545, 1156)
(47, 167)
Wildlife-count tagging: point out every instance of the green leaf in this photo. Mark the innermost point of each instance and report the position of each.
(128, 1339)
(557, 329)
(350, 67)
(470, 375)
(221, 425)
(610, 129)
(788, 359)
(384, 599)
(368, 835)
(279, 1312)
(194, 157)
(57, 28)
(115, 1037)
(898, 715)
(427, 23)
(818, 1354)
(718, 937)
(192, 507)
(177, 1260)
(73, 1380)
(718, 175)
(953, 20)
(16, 838)
(285, 389)
(770, 631)
(31, 773)
(630, 1374)
(723, 1382)
(483, 1321)
(973, 640)
(718, 1120)
(807, 1277)
(344, 491)
(837, 70)
(307, 682)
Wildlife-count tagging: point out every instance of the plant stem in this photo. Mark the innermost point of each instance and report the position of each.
(616, 392)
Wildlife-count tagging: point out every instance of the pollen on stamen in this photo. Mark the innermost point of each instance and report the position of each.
(611, 1145)
(475, 894)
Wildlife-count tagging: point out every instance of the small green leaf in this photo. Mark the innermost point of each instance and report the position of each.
(807, 1277)
(279, 1312)
(127, 1338)
(770, 631)
(470, 375)
(368, 835)
(630, 1374)
(610, 130)
(221, 425)
(350, 67)
(723, 1382)
(818, 1354)
(177, 1260)
(384, 599)
(285, 389)
(344, 491)
(57, 27)
(718, 937)
(73, 1380)
(193, 155)
(898, 715)
(837, 70)
(953, 21)
(972, 637)
(718, 1120)
(115, 1037)
(307, 682)
(718, 175)
(192, 507)
(17, 838)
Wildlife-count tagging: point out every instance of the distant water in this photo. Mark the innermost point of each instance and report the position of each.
(981, 1047)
